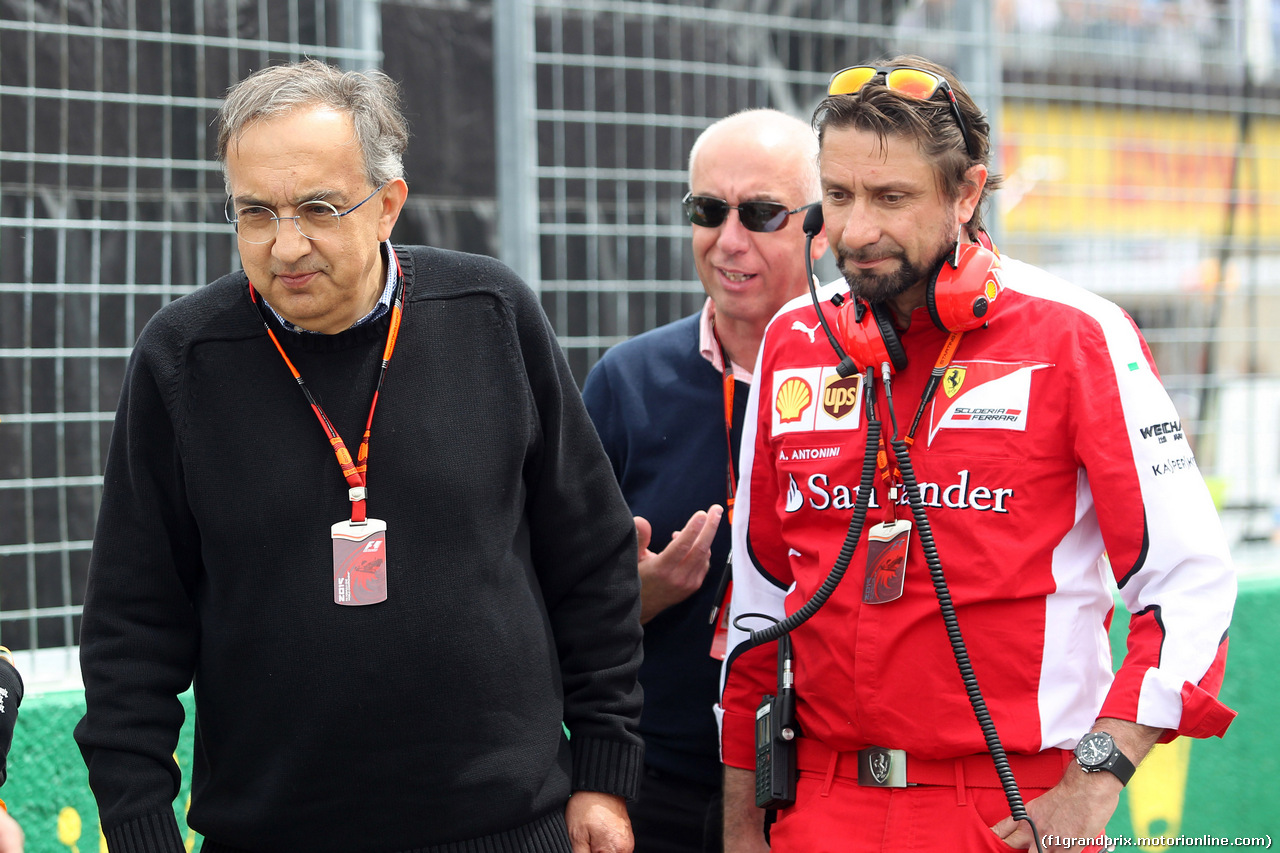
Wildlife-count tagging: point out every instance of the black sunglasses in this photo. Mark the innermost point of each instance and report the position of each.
(759, 216)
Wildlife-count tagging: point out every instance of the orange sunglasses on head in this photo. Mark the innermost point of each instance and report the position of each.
(911, 82)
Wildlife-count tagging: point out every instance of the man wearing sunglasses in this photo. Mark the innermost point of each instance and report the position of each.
(669, 407)
(1044, 440)
(353, 494)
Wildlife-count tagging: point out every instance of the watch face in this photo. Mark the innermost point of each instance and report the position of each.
(1094, 749)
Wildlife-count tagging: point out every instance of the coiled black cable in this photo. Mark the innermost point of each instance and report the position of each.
(999, 758)
(850, 545)
(1017, 808)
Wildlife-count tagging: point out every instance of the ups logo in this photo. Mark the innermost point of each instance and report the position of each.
(840, 395)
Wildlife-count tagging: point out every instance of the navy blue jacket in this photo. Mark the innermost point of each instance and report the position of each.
(659, 408)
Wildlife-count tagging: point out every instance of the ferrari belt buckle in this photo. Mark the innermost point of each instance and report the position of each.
(882, 768)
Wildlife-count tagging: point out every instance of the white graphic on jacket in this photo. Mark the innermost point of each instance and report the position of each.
(797, 326)
(983, 395)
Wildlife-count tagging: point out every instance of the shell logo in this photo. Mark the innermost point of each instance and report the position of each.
(993, 285)
(794, 397)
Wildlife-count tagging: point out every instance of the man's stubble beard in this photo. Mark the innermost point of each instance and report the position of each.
(879, 289)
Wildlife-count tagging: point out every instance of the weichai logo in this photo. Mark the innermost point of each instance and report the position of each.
(794, 396)
(1162, 432)
(840, 395)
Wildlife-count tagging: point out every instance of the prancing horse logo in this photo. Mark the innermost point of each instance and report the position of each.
(879, 765)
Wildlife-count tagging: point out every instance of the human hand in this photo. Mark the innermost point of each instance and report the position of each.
(675, 573)
(1080, 805)
(1077, 807)
(598, 823)
(10, 834)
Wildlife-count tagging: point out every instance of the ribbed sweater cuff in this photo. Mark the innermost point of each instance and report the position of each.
(152, 833)
(547, 834)
(607, 766)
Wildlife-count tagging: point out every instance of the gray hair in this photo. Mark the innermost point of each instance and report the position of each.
(371, 98)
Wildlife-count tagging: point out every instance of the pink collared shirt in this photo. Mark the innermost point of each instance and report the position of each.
(710, 349)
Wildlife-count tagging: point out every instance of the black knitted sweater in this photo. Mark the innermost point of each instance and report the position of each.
(428, 722)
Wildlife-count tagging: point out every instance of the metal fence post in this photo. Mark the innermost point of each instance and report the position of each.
(517, 154)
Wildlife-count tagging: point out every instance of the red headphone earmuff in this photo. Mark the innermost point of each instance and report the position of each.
(962, 291)
(867, 334)
(960, 297)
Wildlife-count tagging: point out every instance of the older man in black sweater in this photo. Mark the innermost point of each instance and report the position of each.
(353, 493)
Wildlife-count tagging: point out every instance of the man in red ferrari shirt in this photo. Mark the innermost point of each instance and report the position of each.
(1047, 461)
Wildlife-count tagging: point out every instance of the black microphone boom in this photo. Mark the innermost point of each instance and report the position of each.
(813, 225)
(813, 219)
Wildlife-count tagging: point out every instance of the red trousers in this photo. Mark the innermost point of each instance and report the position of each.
(834, 814)
(924, 818)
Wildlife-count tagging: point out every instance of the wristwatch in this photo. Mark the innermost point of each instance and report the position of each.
(1097, 751)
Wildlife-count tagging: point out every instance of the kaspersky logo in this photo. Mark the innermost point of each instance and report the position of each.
(984, 395)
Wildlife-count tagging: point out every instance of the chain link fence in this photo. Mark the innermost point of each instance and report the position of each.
(1140, 140)
(110, 206)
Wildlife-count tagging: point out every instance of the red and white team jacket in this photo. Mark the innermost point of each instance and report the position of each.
(1050, 442)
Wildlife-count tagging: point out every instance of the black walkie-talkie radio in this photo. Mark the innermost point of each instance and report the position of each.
(775, 738)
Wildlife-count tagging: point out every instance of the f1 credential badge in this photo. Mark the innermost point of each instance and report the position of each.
(360, 562)
(886, 561)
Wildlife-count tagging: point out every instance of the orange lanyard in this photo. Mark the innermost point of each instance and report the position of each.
(935, 379)
(731, 477)
(893, 476)
(720, 603)
(355, 474)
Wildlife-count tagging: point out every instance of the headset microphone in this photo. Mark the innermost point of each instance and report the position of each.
(813, 220)
(812, 227)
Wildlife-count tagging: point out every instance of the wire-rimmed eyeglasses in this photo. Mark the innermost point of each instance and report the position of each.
(314, 220)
